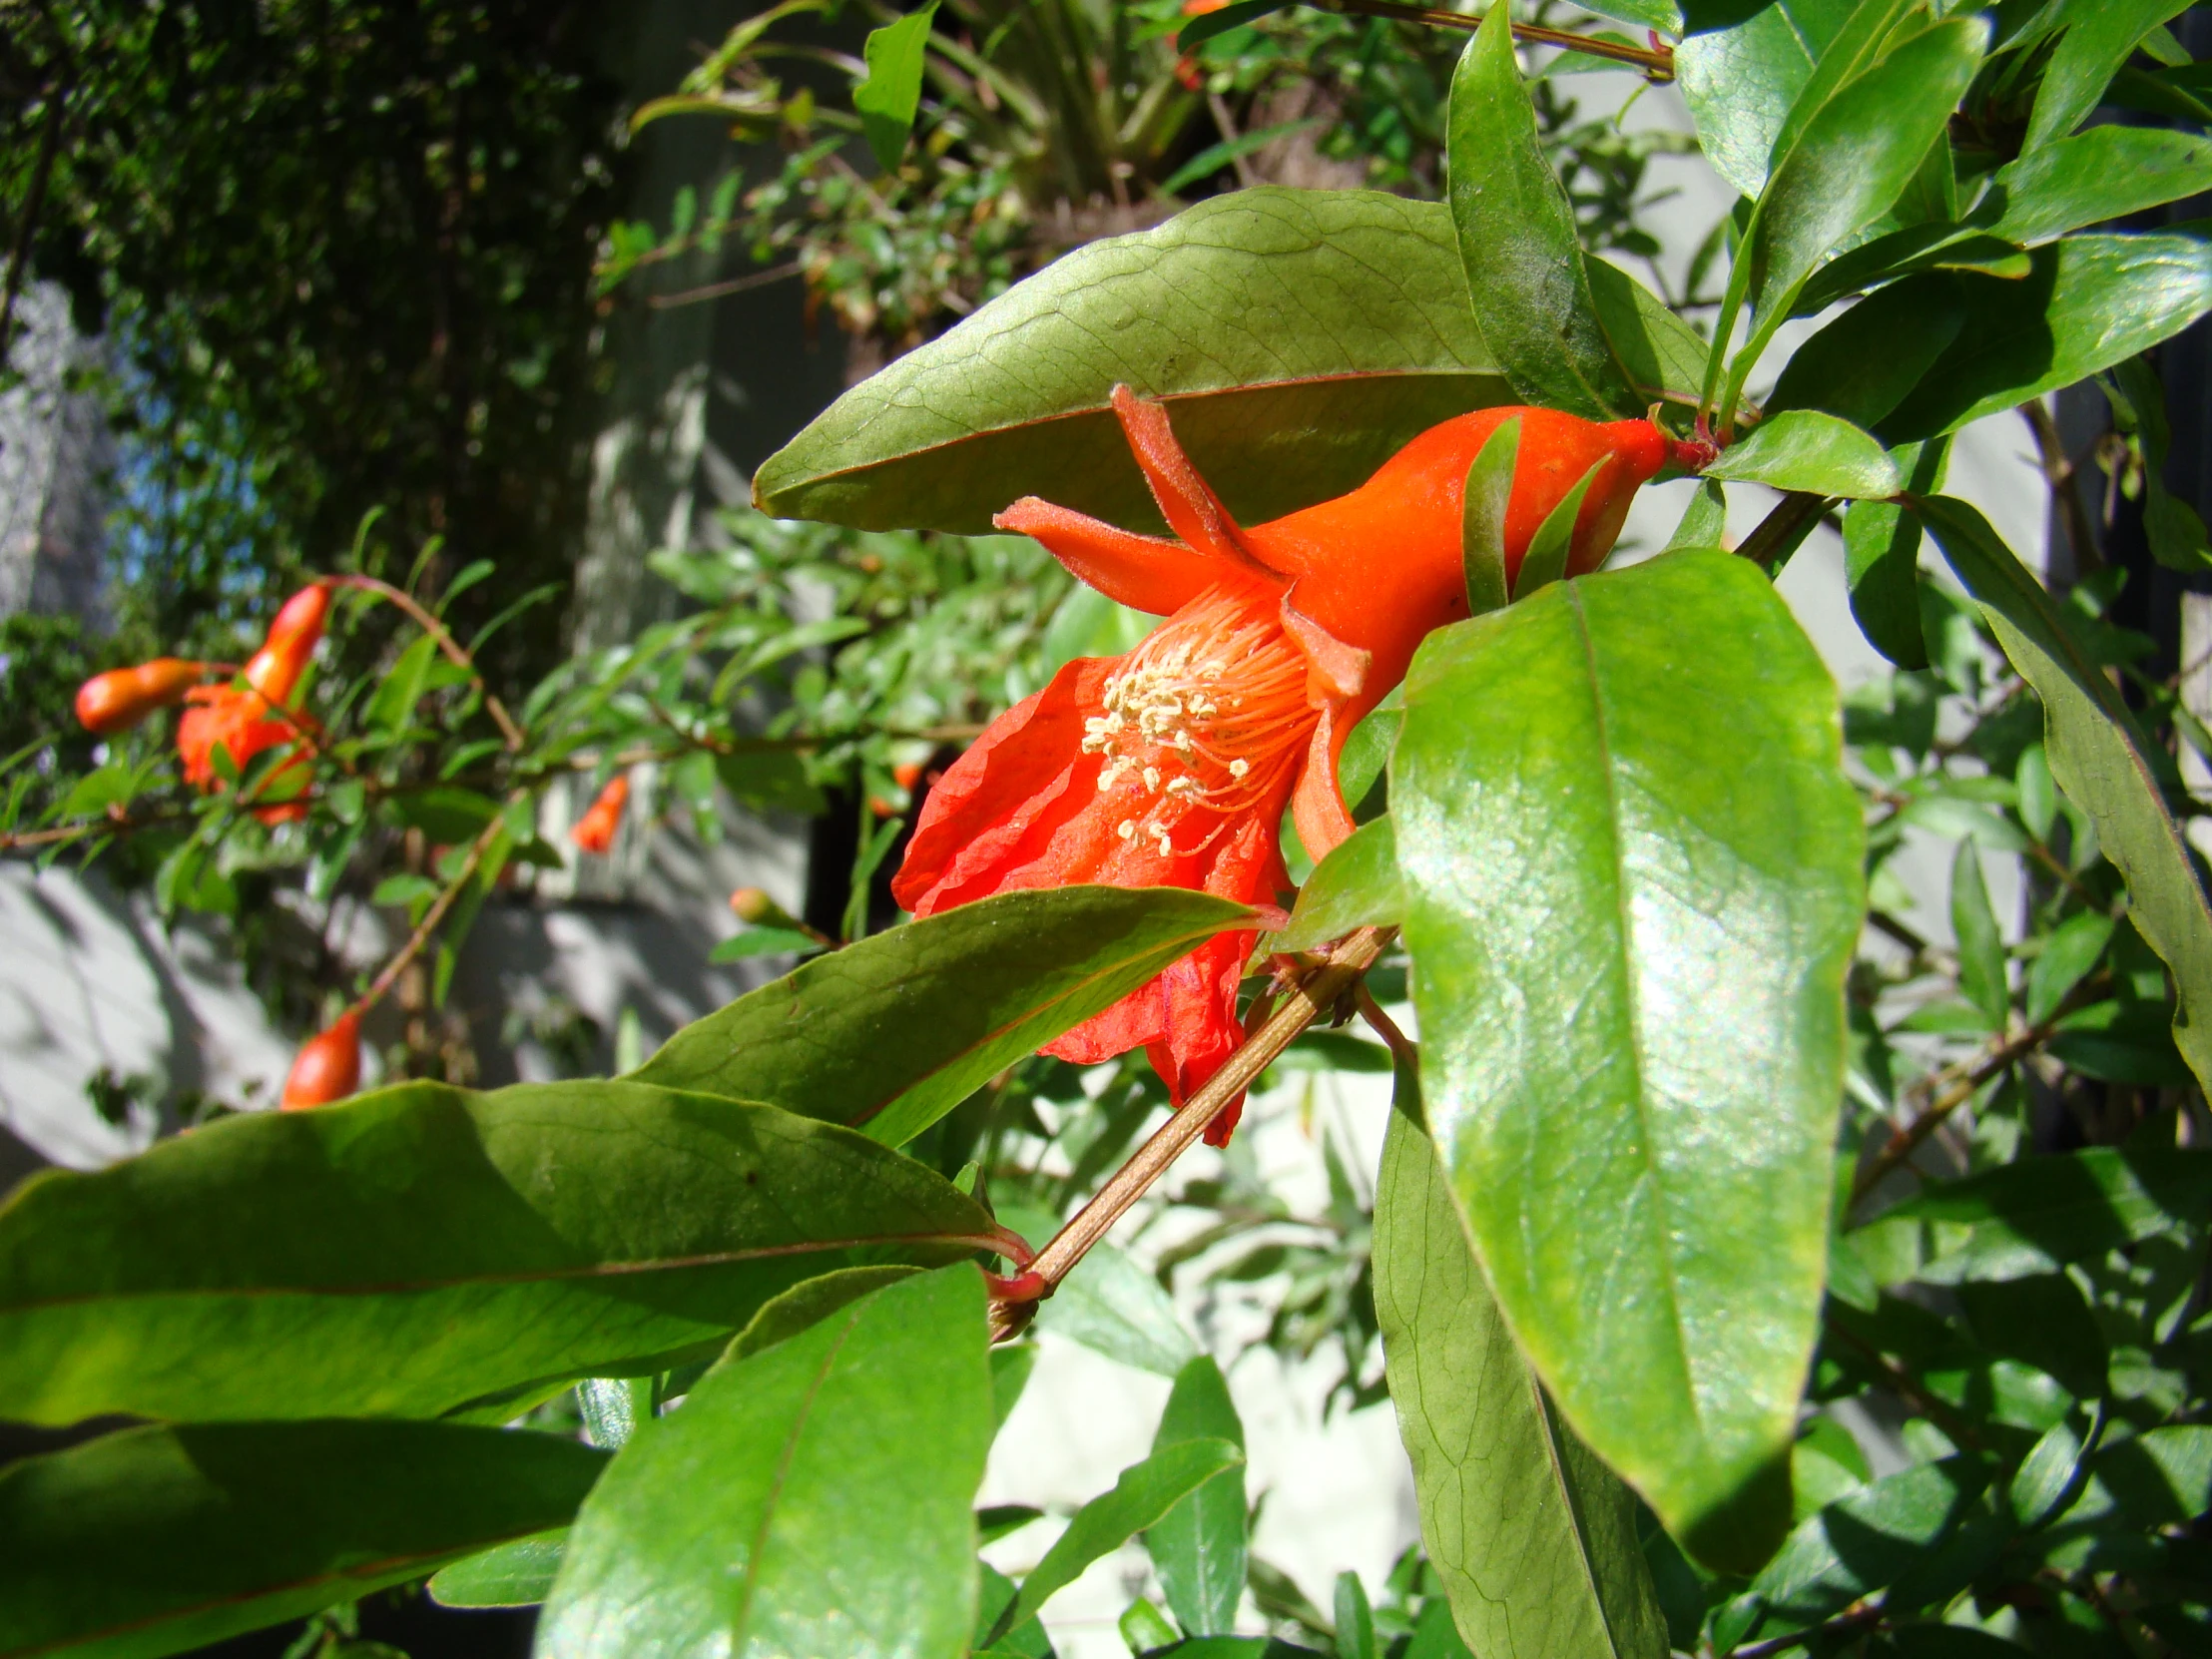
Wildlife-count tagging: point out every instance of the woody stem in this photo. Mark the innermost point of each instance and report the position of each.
(437, 630)
(1657, 62)
(1301, 1006)
(429, 926)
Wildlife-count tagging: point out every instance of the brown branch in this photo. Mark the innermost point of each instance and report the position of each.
(1301, 1004)
(2058, 473)
(1656, 61)
(459, 657)
(429, 926)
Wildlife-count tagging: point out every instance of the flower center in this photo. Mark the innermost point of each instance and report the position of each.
(1209, 714)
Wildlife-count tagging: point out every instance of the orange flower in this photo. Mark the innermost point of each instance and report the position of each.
(595, 830)
(328, 1066)
(121, 697)
(243, 718)
(1170, 766)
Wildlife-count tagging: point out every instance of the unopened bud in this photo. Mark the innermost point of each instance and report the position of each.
(329, 1067)
(121, 697)
(274, 670)
(753, 905)
(595, 830)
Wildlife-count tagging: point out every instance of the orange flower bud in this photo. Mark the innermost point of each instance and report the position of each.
(121, 697)
(329, 1067)
(907, 774)
(595, 830)
(274, 670)
(754, 905)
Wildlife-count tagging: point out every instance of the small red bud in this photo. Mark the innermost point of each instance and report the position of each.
(121, 697)
(274, 670)
(595, 830)
(329, 1067)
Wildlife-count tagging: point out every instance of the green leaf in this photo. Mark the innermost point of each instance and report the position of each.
(1663, 15)
(1742, 81)
(2100, 36)
(1804, 449)
(401, 688)
(1852, 160)
(1545, 562)
(763, 942)
(2100, 760)
(447, 814)
(517, 1574)
(2069, 952)
(1301, 337)
(1528, 1531)
(1354, 1620)
(1200, 1546)
(1882, 561)
(1518, 243)
(2039, 1319)
(1982, 957)
(1631, 944)
(771, 780)
(165, 1538)
(1862, 1543)
(1142, 1494)
(1704, 521)
(1489, 492)
(2155, 1480)
(1863, 365)
(2041, 1213)
(887, 99)
(473, 1245)
(813, 1498)
(890, 1034)
(1662, 354)
(2106, 172)
(2087, 304)
(1109, 1304)
(1357, 885)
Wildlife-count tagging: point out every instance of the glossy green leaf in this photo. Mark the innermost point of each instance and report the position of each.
(1545, 562)
(1973, 923)
(1200, 1546)
(1704, 521)
(1663, 15)
(2041, 1319)
(2105, 173)
(423, 1248)
(1534, 1540)
(1805, 449)
(1863, 1544)
(1518, 245)
(1856, 49)
(763, 942)
(2159, 1478)
(1852, 160)
(2088, 302)
(159, 1541)
(1490, 492)
(2099, 757)
(1357, 885)
(1864, 363)
(1664, 356)
(2100, 36)
(517, 1574)
(1742, 81)
(2040, 1213)
(1355, 1638)
(890, 1034)
(887, 99)
(2069, 952)
(1882, 561)
(1142, 1494)
(1631, 941)
(812, 1498)
(1301, 338)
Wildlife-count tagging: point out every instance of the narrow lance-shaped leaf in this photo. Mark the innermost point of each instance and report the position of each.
(1200, 1547)
(890, 1034)
(1482, 518)
(1356, 885)
(161, 1539)
(1632, 868)
(479, 1246)
(1141, 1495)
(1545, 561)
(1534, 1538)
(2100, 758)
(2100, 36)
(896, 55)
(1805, 449)
(1518, 241)
(1742, 81)
(1973, 923)
(517, 1574)
(812, 1498)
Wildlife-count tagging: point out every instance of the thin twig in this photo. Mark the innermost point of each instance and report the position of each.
(1302, 1005)
(1854, 1618)
(455, 654)
(1657, 61)
(720, 291)
(429, 926)
(1776, 538)
(2059, 473)
(1931, 1406)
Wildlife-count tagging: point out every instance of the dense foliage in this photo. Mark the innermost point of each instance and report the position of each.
(1748, 1269)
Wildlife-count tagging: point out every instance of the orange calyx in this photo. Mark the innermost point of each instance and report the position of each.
(121, 697)
(595, 830)
(328, 1066)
